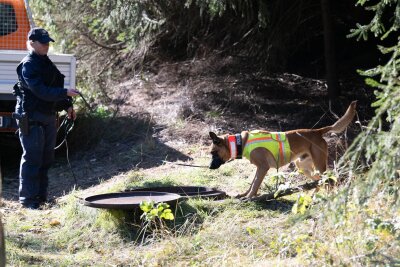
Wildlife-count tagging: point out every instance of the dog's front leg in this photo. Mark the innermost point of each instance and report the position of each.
(242, 195)
(259, 177)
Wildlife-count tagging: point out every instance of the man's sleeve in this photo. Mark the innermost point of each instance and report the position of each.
(64, 104)
(31, 76)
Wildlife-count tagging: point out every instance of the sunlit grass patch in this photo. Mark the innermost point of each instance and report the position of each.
(191, 176)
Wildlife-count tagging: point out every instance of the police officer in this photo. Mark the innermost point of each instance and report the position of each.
(40, 94)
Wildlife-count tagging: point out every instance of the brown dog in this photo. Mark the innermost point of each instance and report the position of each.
(306, 147)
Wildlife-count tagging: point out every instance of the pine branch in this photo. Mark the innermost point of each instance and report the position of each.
(116, 46)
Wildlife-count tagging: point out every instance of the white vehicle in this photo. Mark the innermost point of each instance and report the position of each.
(15, 23)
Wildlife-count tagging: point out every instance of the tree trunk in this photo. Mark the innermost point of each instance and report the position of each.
(329, 48)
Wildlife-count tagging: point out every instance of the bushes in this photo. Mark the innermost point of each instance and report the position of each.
(112, 38)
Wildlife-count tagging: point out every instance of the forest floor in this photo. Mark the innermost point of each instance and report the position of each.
(162, 118)
(177, 107)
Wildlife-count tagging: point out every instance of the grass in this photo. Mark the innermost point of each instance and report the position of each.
(205, 232)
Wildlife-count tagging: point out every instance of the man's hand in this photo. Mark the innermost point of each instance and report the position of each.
(72, 92)
(71, 113)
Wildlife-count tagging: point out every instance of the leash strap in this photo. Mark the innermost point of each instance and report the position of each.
(68, 126)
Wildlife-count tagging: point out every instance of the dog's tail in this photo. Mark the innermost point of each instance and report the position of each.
(343, 122)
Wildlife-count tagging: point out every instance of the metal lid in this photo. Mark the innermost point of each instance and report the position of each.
(129, 200)
(186, 191)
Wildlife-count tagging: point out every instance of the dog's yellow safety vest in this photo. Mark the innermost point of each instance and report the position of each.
(275, 142)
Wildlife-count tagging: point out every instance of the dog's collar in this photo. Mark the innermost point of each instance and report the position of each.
(235, 146)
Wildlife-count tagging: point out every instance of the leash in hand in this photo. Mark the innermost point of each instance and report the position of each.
(68, 124)
(86, 103)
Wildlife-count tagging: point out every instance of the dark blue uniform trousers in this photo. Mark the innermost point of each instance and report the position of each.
(38, 154)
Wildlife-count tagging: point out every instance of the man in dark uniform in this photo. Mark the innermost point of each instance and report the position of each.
(40, 94)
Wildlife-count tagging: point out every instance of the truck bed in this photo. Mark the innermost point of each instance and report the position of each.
(9, 60)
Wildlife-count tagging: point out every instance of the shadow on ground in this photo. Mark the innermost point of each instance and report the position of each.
(99, 148)
(281, 205)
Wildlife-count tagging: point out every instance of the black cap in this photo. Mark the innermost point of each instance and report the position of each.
(39, 34)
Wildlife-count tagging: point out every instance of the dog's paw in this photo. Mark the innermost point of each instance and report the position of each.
(244, 199)
(239, 196)
(247, 198)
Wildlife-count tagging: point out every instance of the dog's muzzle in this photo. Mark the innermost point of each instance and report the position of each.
(216, 161)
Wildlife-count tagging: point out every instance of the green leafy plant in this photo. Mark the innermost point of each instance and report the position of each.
(102, 112)
(153, 219)
(380, 226)
(152, 213)
(328, 177)
(302, 203)
(278, 178)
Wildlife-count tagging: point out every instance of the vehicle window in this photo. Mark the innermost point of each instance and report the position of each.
(8, 22)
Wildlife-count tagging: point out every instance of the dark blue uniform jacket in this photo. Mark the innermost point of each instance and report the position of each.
(41, 86)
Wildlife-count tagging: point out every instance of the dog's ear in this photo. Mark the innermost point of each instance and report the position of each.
(216, 140)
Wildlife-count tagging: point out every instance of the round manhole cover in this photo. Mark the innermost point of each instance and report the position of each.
(186, 191)
(129, 200)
